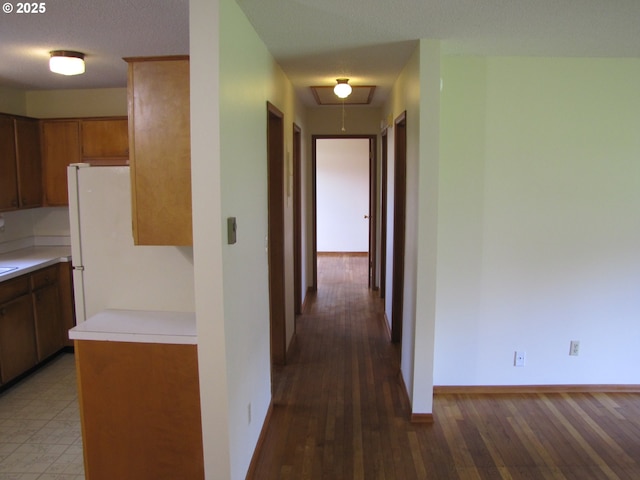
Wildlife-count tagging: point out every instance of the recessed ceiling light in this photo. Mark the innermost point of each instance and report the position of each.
(66, 62)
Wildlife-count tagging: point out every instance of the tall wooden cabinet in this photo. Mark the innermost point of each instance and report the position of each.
(160, 150)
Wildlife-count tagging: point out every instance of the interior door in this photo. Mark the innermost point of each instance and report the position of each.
(275, 174)
(399, 221)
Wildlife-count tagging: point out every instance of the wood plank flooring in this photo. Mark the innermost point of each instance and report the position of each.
(339, 410)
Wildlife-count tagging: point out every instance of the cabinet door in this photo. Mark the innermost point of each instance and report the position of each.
(8, 173)
(105, 141)
(67, 310)
(60, 147)
(48, 321)
(17, 337)
(160, 152)
(29, 162)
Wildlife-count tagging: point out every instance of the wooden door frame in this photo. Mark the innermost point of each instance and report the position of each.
(399, 224)
(275, 243)
(373, 213)
(384, 141)
(314, 203)
(297, 219)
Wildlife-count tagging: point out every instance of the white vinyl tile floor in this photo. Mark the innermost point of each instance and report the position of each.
(40, 435)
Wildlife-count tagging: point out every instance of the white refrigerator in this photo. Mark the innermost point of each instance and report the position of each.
(109, 271)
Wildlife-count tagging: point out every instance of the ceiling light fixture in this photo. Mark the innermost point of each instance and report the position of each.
(342, 89)
(66, 62)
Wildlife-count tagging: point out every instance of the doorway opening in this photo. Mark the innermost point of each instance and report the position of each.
(343, 193)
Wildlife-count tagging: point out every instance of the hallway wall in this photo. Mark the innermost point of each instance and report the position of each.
(229, 178)
(417, 92)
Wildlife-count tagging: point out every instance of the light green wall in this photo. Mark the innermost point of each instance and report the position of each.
(249, 78)
(13, 101)
(538, 230)
(76, 103)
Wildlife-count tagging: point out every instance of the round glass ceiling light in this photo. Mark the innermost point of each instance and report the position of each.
(342, 89)
(66, 62)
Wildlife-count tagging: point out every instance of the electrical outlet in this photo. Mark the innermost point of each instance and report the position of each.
(519, 358)
(249, 413)
(574, 348)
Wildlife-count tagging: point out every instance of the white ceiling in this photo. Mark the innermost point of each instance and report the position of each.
(315, 41)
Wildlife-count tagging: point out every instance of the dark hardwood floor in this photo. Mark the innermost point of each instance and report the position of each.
(339, 410)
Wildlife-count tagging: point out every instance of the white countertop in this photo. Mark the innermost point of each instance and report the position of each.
(27, 260)
(138, 326)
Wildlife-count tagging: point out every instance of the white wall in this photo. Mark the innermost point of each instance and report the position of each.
(417, 92)
(35, 226)
(207, 235)
(539, 231)
(342, 194)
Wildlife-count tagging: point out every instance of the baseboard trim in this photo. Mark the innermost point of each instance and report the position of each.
(506, 389)
(309, 293)
(251, 472)
(387, 326)
(344, 254)
(291, 343)
(422, 418)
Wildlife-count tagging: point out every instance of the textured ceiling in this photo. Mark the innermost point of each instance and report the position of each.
(105, 30)
(315, 41)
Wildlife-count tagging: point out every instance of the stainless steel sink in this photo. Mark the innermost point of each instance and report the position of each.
(4, 270)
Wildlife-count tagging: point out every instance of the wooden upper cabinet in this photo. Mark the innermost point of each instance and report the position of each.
(29, 162)
(20, 163)
(60, 148)
(8, 168)
(160, 150)
(105, 141)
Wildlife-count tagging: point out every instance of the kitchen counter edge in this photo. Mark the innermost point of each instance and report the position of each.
(31, 259)
(138, 326)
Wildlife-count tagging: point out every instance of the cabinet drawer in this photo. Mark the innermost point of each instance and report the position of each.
(44, 277)
(14, 288)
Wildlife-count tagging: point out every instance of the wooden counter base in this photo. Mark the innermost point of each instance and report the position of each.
(140, 410)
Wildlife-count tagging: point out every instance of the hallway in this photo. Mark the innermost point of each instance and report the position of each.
(338, 402)
(340, 413)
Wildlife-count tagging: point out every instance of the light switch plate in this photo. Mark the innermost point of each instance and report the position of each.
(232, 227)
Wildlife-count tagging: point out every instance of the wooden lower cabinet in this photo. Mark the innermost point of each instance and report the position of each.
(36, 313)
(17, 337)
(140, 410)
(67, 306)
(48, 321)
